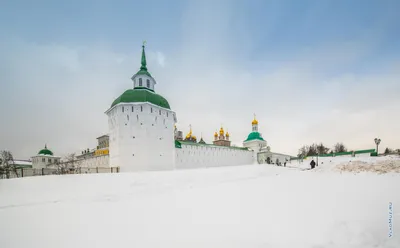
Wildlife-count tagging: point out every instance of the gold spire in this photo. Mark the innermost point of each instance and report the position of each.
(215, 134)
(254, 122)
(221, 131)
(190, 132)
(227, 134)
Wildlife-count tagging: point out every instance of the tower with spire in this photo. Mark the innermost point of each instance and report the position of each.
(143, 79)
(254, 140)
(141, 126)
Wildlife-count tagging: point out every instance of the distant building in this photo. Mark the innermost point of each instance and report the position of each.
(44, 158)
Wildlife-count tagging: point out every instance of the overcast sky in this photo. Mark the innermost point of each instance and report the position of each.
(312, 71)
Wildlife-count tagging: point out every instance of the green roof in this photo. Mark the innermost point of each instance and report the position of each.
(364, 151)
(143, 67)
(178, 144)
(143, 72)
(45, 151)
(254, 136)
(141, 95)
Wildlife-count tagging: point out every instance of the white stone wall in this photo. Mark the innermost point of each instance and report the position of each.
(255, 146)
(41, 161)
(95, 161)
(141, 137)
(200, 156)
(263, 156)
(363, 155)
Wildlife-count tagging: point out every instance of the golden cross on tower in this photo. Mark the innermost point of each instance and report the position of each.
(254, 116)
(144, 42)
(190, 126)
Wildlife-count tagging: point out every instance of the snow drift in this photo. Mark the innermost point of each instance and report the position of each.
(240, 206)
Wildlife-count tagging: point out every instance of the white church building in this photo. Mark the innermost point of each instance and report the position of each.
(143, 136)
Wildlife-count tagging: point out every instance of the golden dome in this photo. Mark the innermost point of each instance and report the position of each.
(215, 134)
(254, 122)
(189, 134)
(194, 137)
(221, 131)
(227, 134)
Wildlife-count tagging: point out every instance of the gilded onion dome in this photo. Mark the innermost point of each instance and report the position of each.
(254, 122)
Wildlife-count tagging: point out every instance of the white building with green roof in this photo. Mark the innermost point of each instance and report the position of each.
(44, 158)
(141, 126)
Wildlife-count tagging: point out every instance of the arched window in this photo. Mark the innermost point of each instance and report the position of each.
(140, 82)
(160, 111)
(151, 110)
(141, 108)
(148, 83)
(132, 108)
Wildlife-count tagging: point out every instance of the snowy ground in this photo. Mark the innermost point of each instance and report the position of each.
(240, 206)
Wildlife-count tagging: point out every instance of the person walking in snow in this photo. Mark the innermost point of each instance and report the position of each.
(312, 164)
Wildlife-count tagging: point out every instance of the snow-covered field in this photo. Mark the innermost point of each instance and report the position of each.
(239, 206)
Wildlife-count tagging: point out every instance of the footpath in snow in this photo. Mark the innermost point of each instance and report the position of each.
(238, 206)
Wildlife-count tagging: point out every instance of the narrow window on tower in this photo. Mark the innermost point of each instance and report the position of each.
(141, 108)
(132, 108)
(167, 114)
(148, 83)
(140, 82)
(151, 110)
(160, 111)
(122, 108)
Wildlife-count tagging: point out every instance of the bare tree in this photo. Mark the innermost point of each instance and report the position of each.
(388, 150)
(321, 149)
(303, 151)
(339, 147)
(7, 165)
(312, 150)
(69, 163)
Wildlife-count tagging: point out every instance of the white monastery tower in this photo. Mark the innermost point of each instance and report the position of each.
(141, 127)
(255, 140)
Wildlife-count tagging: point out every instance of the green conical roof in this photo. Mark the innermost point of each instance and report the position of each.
(254, 136)
(143, 67)
(141, 95)
(45, 151)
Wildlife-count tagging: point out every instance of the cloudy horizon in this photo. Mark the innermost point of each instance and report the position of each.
(311, 71)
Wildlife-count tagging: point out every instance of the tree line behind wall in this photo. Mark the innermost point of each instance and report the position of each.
(315, 149)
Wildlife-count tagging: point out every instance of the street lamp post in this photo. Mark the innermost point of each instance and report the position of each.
(377, 142)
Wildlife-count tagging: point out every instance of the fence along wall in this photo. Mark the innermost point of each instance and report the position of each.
(30, 172)
(194, 155)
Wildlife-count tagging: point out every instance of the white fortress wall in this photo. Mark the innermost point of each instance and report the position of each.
(200, 156)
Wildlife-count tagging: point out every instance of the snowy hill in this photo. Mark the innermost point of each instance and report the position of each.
(239, 206)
